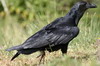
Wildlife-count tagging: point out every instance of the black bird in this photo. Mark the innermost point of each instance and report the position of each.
(55, 35)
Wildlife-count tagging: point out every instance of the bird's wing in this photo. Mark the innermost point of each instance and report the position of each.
(61, 36)
(40, 38)
(45, 38)
(52, 34)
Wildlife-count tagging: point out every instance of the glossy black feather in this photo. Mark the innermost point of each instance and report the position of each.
(57, 34)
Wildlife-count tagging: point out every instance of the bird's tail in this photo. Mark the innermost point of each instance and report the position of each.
(14, 48)
(16, 55)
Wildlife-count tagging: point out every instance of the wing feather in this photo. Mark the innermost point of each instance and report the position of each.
(52, 34)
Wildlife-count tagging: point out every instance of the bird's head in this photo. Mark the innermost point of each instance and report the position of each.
(79, 8)
(82, 6)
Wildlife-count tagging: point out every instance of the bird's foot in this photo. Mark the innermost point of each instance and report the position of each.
(42, 57)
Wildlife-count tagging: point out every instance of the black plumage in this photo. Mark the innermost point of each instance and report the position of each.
(55, 35)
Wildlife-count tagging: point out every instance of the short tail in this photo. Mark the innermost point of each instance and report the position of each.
(14, 48)
(16, 55)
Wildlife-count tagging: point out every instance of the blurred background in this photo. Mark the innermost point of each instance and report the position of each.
(20, 19)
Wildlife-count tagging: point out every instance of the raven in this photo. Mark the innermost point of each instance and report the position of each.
(55, 35)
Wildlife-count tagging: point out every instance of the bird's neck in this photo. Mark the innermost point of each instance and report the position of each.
(76, 16)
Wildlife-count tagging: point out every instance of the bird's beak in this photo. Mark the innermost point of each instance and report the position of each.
(91, 5)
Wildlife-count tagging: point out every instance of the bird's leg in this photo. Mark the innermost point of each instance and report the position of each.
(64, 49)
(41, 56)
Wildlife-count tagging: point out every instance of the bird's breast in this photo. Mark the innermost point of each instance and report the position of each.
(75, 31)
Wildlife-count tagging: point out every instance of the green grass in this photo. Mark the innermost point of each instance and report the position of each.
(81, 51)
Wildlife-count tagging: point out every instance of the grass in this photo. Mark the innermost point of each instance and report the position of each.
(81, 51)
